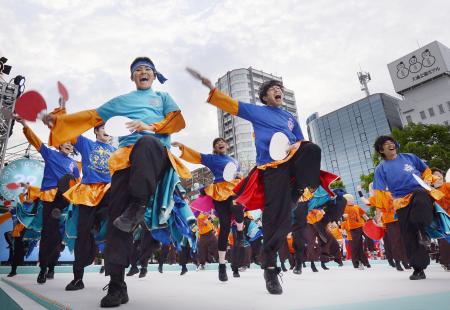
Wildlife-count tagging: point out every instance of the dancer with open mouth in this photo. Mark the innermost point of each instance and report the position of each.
(412, 203)
(90, 197)
(59, 172)
(302, 163)
(137, 167)
(227, 175)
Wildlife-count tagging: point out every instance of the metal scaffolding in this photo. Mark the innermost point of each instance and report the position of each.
(8, 95)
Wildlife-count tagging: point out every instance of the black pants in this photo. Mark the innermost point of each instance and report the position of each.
(387, 245)
(415, 217)
(299, 235)
(330, 249)
(149, 161)
(395, 243)
(207, 247)
(256, 246)
(224, 211)
(444, 252)
(334, 210)
(50, 245)
(148, 245)
(185, 254)
(89, 220)
(18, 252)
(357, 247)
(304, 166)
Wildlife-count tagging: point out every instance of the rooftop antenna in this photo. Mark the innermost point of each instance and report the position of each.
(364, 78)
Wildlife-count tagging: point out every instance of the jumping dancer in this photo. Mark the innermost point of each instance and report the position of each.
(412, 203)
(91, 198)
(221, 192)
(59, 171)
(303, 162)
(138, 165)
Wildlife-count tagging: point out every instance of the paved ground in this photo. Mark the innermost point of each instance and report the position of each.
(380, 287)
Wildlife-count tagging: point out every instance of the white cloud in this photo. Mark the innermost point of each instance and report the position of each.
(317, 46)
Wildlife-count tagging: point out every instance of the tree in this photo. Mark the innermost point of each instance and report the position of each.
(366, 179)
(337, 184)
(429, 142)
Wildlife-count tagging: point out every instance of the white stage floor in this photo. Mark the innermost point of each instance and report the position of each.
(380, 287)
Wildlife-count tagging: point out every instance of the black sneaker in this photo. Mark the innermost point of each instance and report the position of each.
(130, 218)
(398, 266)
(236, 273)
(75, 285)
(298, 269)
(418, 275)
(339, 262)
(102, 269)
(313, 267)
(50, 275)
(324, 267)
(143, 272)
(160, 268)
(133, 270)
(11, 274)
(406, 265)
(391, 263)
(223, 273)
(183, 270)
(117, 295)
(273, 285)
(42, 278)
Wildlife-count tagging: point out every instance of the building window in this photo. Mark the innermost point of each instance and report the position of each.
(328, 132)
(441, 109)
(446, 123)
(358, 120)
(448, 105)
(331, 147)
(363, 137)
(334, 163)
(431, 111)
(409, 119)
(422, 115)
(367, 154)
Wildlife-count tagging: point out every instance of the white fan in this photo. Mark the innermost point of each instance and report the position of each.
(116, 126)
(229, 172)
(279, 146)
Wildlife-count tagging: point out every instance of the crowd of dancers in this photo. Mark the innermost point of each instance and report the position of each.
(128, 204)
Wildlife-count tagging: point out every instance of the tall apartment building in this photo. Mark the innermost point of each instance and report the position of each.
(243, 85)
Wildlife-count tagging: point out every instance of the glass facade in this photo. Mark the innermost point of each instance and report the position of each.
(346, 136)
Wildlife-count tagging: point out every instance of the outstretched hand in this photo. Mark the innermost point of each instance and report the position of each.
(20, 120)
(49, 120)
(205, 81)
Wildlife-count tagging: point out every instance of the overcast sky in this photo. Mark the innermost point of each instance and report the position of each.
(316, 46)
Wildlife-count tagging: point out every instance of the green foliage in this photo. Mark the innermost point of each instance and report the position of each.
(337, 184)
(429, 142)
(366, 180)
(371, 212)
